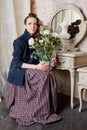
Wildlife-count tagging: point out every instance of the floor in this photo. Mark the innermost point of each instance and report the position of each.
(71, 119)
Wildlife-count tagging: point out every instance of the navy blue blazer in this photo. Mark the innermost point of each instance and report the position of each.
(21, 54)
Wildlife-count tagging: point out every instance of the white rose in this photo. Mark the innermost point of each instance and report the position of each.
(31, 41)
(46, 32)
(54, 34)
(41, 41)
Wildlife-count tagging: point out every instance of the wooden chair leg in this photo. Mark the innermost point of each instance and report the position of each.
(80, 98)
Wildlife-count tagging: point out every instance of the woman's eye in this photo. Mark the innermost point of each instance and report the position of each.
(35, 24)
(29, 23)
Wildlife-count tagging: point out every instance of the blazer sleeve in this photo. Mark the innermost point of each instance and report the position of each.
(17, 53)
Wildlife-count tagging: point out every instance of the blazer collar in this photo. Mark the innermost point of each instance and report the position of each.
(26, 35)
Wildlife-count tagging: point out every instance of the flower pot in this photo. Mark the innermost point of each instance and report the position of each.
(45, 62)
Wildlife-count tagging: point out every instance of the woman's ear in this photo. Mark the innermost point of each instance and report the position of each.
(25, 27)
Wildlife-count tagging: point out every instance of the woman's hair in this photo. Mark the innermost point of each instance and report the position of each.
(30, 15)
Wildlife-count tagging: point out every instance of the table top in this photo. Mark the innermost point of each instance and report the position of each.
(72, 53)
(82, 69)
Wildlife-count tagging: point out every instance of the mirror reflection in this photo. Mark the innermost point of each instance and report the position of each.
(70, 25)
(67, 15)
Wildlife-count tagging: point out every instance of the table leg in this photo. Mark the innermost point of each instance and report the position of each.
(72, 78)
(80, 98)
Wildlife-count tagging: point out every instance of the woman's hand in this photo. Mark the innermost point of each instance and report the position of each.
(54, 62)
(43, 66)
(40, 66)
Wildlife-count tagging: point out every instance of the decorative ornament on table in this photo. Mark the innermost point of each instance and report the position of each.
(46, 46)
(67, 34)
(73, 28)
(64, 35)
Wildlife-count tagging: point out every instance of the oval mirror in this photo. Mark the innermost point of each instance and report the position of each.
(76, 27)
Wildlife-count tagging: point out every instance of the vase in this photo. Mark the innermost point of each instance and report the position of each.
(51, 63)
(45, 62)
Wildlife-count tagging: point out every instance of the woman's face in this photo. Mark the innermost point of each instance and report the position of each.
(31, 25)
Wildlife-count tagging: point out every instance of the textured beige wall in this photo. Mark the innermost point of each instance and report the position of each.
(11, 26)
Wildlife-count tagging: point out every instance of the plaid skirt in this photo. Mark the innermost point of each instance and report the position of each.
(36, 101)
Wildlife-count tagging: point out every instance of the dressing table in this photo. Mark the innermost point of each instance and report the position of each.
(71, 61)
(70, 57)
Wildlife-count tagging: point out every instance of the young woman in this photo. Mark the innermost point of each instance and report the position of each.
(30, 93)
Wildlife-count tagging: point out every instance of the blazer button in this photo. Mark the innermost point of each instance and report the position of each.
(17, 69)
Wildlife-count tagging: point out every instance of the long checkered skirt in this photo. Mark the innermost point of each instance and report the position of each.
(35, 102)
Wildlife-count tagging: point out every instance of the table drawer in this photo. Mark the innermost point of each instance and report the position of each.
(82, 78)
(65, 62)
(72, 62)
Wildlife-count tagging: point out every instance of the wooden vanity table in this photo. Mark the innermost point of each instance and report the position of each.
(71, 61)
(71, 17)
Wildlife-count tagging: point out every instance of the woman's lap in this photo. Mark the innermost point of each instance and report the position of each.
(33, 102)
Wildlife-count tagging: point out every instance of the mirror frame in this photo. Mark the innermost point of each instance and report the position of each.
(76, 40)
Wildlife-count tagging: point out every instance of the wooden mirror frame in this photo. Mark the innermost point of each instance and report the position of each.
(71, 43)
